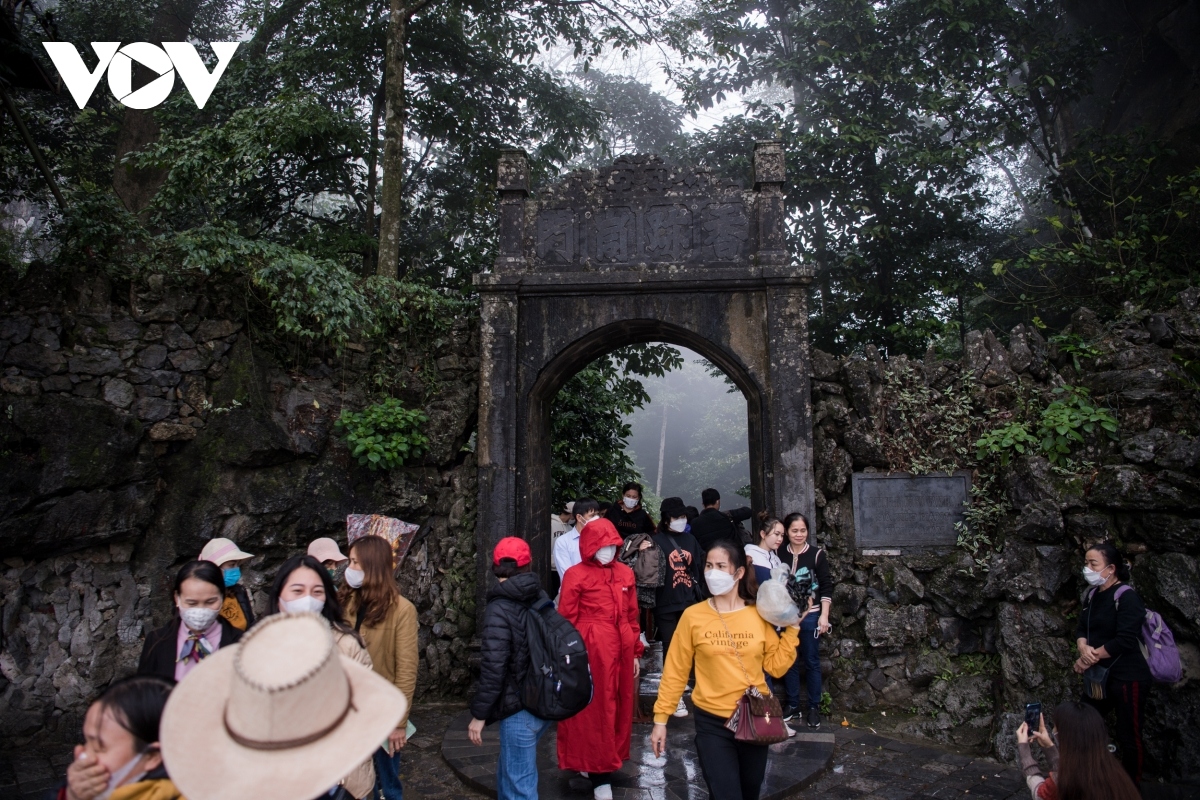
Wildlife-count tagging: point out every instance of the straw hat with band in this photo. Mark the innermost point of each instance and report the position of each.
(282, 715)
(221, 550)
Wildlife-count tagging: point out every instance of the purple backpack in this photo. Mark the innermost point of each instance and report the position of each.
(1158, 643)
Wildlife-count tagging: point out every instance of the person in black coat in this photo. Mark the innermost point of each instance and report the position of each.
(504, 661)
(197, 629)
(628, 516)
(683, 583)
(1109, 636)
(714, 525)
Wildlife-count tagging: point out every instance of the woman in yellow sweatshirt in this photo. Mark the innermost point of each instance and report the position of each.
(712, 635)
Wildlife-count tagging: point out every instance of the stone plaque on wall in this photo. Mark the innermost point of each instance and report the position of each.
(898, 512)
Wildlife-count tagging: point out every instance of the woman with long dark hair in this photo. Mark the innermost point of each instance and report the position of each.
(387, 623)
(304, 585)
(1081, 766)
(1109, 633)
(196, 630)
(809, 564)
(120, 749)
(764, 553)
(728, 643)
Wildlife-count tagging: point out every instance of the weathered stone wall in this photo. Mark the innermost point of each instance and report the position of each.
(951, 647)
(135, 424)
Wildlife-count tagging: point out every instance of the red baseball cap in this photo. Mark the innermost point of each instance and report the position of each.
(514, 548)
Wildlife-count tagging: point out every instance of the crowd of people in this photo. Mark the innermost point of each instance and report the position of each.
(311, 698)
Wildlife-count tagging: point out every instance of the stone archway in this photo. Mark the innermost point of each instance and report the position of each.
(640, 251)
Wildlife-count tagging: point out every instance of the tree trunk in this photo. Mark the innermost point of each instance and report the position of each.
(662, 449)
(137, 187)
(369, 253)
(392, 197)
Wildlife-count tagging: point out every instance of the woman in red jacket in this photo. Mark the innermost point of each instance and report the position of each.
(599, 597)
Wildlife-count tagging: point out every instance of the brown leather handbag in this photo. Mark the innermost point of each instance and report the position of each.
(757, 718)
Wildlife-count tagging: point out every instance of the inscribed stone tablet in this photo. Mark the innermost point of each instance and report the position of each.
(908, 512)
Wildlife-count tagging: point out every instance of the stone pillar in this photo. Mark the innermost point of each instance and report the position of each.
(512, 184)
(496, 439)
(770, 171)
(789, 398)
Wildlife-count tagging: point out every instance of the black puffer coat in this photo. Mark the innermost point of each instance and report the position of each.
(503, 649)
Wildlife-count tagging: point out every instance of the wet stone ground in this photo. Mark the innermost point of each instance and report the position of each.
(864, 766)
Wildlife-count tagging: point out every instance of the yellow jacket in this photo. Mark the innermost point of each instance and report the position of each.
(154, 789)
(701, 638)
(392, 645)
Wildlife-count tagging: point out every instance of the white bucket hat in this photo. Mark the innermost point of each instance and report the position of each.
(220, 550)
(325, 549)
(281, 715)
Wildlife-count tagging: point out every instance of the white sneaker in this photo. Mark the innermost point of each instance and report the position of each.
(603, 792)
(680, 710)
(789, 730)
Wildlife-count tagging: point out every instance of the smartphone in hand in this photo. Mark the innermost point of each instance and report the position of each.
(1033, 717)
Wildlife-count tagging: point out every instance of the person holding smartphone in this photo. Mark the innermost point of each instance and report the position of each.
(1080, 762)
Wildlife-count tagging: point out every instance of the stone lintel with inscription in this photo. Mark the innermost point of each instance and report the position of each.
(903, 512)
(642, 223)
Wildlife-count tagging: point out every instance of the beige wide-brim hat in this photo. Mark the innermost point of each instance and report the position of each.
(282, 715)
(325, 549)
(220, 550)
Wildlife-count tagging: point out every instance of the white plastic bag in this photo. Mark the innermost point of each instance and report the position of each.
(774, 604)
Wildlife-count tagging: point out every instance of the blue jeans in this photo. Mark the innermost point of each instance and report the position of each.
(516, 771)
(808, 657)
(387, 775)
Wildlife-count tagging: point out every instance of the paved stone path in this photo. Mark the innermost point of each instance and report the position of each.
(794, 764)
(864, 767)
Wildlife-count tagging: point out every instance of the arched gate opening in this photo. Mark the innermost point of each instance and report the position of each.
(638, 252)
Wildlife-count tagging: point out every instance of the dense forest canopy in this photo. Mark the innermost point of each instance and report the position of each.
(951, 163)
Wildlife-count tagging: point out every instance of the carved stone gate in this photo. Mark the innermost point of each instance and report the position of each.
(637, 252)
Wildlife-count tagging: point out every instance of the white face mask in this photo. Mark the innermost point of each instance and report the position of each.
(678, 525)
(198, 619)
(1092, 577)
(719, 581)
(354, 578)
(302, 605)
(606, 554)
(629, 502)
(115, 780)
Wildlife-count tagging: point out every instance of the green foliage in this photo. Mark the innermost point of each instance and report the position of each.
(826, 704)
(1067, 418)
(1063, 422)
(885, 108)
(588, 431)
(384, 435)
(981, 517)
(1073, 345)
(1128, 234)
(1003, 441)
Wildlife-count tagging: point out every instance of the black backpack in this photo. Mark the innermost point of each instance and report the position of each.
(558, 683)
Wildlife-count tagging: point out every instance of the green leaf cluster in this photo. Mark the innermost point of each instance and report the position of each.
(384, 435)
(1060, 425)
(1005, 440)
(1067, 418)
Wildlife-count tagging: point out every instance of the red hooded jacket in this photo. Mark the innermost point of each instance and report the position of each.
(600, 600)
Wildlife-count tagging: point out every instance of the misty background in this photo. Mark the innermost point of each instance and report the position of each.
(691, 435)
